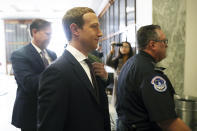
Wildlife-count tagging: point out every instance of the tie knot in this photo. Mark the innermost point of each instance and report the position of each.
(42, 52)
(87, 61)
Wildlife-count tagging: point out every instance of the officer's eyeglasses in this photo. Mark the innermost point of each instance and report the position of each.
(164, 41)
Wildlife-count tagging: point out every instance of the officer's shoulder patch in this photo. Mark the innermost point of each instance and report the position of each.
(159, 83)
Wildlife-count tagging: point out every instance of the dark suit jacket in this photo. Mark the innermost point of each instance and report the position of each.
(27, 65)
(67, 101)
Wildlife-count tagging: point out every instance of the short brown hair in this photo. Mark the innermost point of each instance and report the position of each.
(39, 24)
(74, 15)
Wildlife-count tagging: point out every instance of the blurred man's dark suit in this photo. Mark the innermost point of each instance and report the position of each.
(27, 65)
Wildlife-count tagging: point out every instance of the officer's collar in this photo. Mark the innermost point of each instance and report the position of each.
(148, 55)
(159, 68)
(153, 61)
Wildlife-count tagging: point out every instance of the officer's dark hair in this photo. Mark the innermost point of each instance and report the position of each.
(74, 15)
(39, 24)
(145, 34)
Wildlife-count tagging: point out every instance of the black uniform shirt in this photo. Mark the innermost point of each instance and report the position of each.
(144, 94)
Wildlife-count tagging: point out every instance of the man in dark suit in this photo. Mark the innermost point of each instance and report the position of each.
(70, 97)
(28, 63)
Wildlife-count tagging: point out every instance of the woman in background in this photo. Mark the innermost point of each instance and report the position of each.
(124, 53)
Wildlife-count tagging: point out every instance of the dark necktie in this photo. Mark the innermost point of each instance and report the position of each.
(45, 61)
(94, 82)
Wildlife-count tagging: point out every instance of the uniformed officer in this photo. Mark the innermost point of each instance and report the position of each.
(145, 95)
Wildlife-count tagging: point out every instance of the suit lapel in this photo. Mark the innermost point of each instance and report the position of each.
(53, 57)
(81, 74)
(35, 55)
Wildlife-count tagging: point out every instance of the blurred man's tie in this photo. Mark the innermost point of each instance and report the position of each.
(45, 61)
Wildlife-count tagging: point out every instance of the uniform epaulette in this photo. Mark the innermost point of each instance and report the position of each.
(159, 69)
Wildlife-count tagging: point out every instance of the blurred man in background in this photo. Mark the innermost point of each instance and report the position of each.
(28, 63)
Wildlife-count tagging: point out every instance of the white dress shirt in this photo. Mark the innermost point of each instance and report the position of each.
(80, 57)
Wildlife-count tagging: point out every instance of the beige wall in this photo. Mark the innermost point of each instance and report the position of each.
(190, 84)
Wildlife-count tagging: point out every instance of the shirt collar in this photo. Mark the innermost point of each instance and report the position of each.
(76, 53)
(37, 48)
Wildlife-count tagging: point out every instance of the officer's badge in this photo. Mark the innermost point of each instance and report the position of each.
(159, 84)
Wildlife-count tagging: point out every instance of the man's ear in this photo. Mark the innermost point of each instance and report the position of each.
(151, 44)
(34, 31)
(74, 29)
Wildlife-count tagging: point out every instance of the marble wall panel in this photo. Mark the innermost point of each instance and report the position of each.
(171, 16)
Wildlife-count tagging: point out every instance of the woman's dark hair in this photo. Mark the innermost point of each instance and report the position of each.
(116, 59)
(130, 50)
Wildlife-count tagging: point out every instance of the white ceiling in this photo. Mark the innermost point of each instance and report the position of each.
(10, 9)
